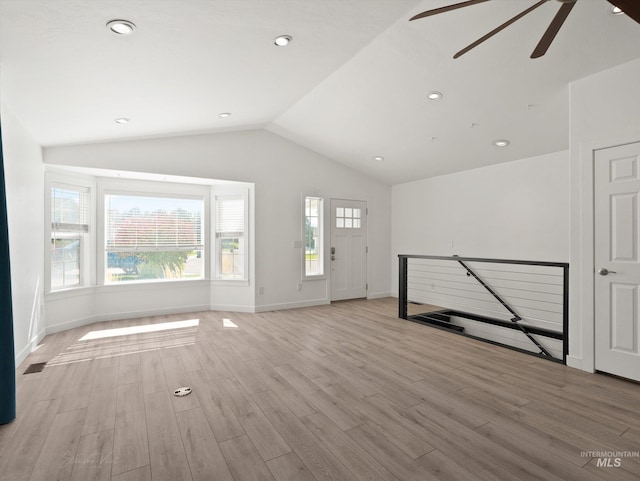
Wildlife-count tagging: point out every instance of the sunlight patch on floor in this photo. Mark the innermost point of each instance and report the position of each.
(129, 340)
(126, 331)
(229, 323)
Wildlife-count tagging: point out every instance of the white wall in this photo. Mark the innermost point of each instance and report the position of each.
(514, 210)
(605, 111)
(25, 206)
(282, 173)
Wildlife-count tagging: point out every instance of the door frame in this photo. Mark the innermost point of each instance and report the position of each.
(330, 237)
(582, 249)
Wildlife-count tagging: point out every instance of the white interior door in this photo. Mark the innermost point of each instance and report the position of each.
(617, 267)
(348, 250)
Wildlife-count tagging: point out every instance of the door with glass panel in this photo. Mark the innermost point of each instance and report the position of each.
(348, 249)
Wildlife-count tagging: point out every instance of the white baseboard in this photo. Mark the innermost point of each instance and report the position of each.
(292, 305)
(29, 348)
(574, 362)
(232, 308)
(378, 295)
(63, 326)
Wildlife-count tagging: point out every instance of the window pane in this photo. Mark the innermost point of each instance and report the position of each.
(340, 223)
(356, 223)
(150, 265)
(356, 213)
(65, 261)
(70, 209)
(348, 212)
(313, 237)
(339, 212)
(153, 238)
(231, 257)
(230, 245)
(348, 223)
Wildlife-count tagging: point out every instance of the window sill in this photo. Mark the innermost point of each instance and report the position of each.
(230, 282)
(128, 287)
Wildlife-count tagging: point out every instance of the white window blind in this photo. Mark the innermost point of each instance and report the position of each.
(69, 209)
(144, 223)
(229, 214)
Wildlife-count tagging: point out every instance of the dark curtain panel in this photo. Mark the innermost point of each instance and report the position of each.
(7, 354)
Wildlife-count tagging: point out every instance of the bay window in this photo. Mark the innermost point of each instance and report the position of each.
(153, 237)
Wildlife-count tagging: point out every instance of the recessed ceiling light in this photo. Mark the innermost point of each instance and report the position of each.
(501, 143)
(121, 27)
(122, 120)
(378, 158)
(224, 115)
(435, 95)
(282, 40)
(616, 11)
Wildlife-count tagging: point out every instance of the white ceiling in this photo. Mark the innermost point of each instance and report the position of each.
(352, 85)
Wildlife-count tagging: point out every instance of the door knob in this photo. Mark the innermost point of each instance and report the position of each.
(603, 271)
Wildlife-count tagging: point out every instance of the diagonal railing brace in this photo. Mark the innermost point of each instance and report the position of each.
(515, 315)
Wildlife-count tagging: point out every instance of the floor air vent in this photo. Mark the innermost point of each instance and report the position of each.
(37, 367)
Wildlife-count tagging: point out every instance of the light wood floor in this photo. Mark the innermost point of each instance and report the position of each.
(343, 392)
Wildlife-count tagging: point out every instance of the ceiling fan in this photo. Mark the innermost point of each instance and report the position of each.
(629, 7)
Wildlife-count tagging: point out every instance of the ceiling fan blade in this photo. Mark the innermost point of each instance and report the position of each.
(629, 7)
(455, 6)
(500, 28)
(552, 30)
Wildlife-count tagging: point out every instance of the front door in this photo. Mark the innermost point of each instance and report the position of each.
(348, 250)
(617, 267)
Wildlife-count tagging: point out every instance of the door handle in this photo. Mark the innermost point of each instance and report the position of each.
(603, 271)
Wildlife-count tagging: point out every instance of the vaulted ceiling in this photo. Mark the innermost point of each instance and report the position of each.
(352, 85)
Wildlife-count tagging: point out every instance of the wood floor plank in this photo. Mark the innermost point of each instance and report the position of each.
(166, 451)
(378, 414)
(318, 459)
(129, 370)
(387, 454)
(564, 432)
(152, 372)
(266, 438)
(288, 467)
(17, 456)
(545, 458)
(343, 391)
(357, 460)
(130, 444)
(59, 449)
(519, 466)
(332, 407)
(293, 399)
(101, 411)
(94, 458)
(221, 418)
(205, 458)
(444, 468)
(140, 474)
(78, 387)
(211, 360)
(244, 461)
